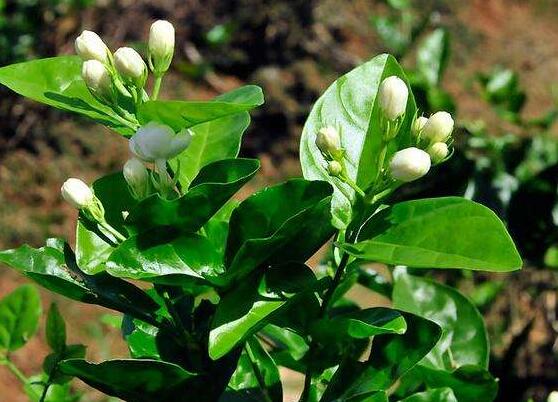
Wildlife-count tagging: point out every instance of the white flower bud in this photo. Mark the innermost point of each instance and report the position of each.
(418, 125)
(130, 65)
(161, 46)
(438, 151)
(553, 397)
(334, 168)
(77, 193)
(156, 142)
(137, 177)
(89, 46)
(393, 94)
(438, 128)
(409, 164)
(96, 77)
(328, 141)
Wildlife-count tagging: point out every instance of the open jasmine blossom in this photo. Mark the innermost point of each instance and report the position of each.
(155, 141)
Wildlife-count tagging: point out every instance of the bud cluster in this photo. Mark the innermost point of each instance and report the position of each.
(434, 134)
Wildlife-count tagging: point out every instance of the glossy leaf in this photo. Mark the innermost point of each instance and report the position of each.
(54, 267)
(247, 307)
(438, 233)
(349, 104)
(464, 340)
(390, 358)
(210, 190)
(432, 395)
(55, 329)
(113, 192)
(137, 380)
(286, 222)
(19, 317)
(433, 55)
(186, 114)
(92, 248)
(165, 256)
(57, 82)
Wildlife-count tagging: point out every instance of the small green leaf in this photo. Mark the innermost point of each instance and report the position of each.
(438, 233)
(349, 105)
(210, 190)
(464, 340)
(57, 82)
(55, 330)
(432, 395)
(19, 317)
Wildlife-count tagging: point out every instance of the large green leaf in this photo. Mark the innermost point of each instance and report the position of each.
(167, 257)
(212, 187)
(390, 358)
(438, 233)
(286, 222)
(432, 395)
(54, 267)
(349, 104)
(185, 114)
(138, 380)
(246, 308)
(19, 317)
(464, 340)
(57, 82)
(256, 370)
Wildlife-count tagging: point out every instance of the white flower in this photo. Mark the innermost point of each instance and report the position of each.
(155, 142)
(393, 94)
(438, 128)
(89, 46)
(96, 76)
(334, 168)
(137, 177)
(161, 45)
(418, 125)
(130, 65)
(438, 151)
(77, 193)
(553, 397)
(409, 164)
(328, 141)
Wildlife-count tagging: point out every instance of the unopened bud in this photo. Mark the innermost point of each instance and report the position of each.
(156, 142)
(131, 66)
(418, 125)
(438, 128)
(553, 397)
(77, 193)
(161, 46)
(409, 164)
(393, 94)
(89, 46)
(137, 177)
(334, 168)
(328, 141)
(438, 151)
(96, 77)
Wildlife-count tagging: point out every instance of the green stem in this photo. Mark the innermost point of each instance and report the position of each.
(156, 86)
(119, 236)
(257, 373)
(381, 160)
(45, 389)
(353, 185)
(17, 373)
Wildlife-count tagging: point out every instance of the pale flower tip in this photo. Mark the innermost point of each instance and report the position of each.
(438, 151)
(96, 77)
(130, 65)
(393, 94)
(161, 46)
(418, 125)
(409, 164)
(439, 127)
(334, 168)
(328, 140)
(77, 193)
(90, 46)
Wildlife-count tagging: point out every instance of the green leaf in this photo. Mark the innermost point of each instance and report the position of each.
(289, 221)
(186, 114)
(113, 192)
(56, 393)
(433, 55)
(438, 233)
(390, 358)
(256, 369)
(361, 324)
(349, 104)
(464, 340)
(142, 341)
(469, 383)
(212, 187)
(55, 329)
(432, 395)
(57, 82)
(92, 250)
(247, 307)
(137, 380)
(165, 256)
(19, 317)
(54, 267)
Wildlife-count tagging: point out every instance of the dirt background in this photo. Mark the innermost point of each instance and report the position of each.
(293, 49)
